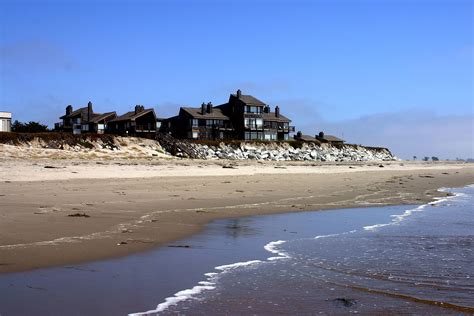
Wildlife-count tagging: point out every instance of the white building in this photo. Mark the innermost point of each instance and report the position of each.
(5, 122)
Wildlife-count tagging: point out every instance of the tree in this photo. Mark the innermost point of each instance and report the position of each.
(435, 158)
(30, 127)
(414, 157)
(426, 158)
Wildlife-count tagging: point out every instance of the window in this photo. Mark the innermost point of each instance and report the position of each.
(270, 136)
(253, 123)
(270, 124)
(193, 135)
(100, 127)
(253, 135)
(193, 122)
(253, 109)
(284, 125)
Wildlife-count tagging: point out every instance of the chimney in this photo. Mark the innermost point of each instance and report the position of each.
(299, 134)
(266, 109)
(89, 111)
(203, 108)
(68, 109)
(139, 108)
(277, 111)
(320, 135)
(239, 94)
(209, 107)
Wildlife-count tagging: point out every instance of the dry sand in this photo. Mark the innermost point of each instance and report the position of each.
(131, 205)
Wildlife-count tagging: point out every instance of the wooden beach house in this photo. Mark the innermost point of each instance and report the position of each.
(243, 117)
(139, 122)
(84, 120)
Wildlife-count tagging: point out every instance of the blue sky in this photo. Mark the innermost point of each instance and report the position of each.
(405, 67)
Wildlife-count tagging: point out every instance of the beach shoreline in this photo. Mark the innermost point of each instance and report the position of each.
(78, 211)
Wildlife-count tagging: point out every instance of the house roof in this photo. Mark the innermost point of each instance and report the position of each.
(132, 115)
(196, 113)
(249, 100)
(307, 138)
(96, 118)
(82, 112)
(271, 117)
(6, 115)
(331, 138)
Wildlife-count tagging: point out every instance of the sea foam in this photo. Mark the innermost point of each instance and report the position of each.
(272, 247)
(212, 277)
(203, 286)
(397, 218)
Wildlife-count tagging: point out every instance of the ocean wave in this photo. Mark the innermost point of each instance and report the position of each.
(178, 297)
(271, 247)
(397, 218)
(210, 282)
(207, 285)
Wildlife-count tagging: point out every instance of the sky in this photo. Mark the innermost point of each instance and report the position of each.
(393, 73)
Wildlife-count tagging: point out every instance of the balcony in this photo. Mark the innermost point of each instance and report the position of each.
(145, 128)
(279, 127)
(223, 127)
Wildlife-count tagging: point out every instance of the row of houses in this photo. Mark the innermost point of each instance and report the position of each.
(242, 117)
(85, 120)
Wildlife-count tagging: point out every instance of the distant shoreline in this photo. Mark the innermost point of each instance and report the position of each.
(84, 210)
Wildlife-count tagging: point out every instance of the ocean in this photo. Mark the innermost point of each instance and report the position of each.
(410, 259)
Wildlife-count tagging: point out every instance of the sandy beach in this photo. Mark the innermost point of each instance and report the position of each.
(55, 212)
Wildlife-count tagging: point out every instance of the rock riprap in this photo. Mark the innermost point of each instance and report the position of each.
(283, 151)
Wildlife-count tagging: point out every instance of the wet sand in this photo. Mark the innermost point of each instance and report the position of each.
(64, 212)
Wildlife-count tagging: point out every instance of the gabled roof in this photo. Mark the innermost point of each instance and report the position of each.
(331, 138)
(132, 115)
(197, 113)
(307, 138)
(271, 117)
(96, 118)
(249, 100)
(82, 112)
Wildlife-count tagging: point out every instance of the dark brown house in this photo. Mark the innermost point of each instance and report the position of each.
(84, 120)
(206, 122)
(243, 117)
(139, 122)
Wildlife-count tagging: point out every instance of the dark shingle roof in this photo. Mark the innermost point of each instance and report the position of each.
(249, 100)
(331, 138)
(307, 138)
(131, 115)
(271, 117)
(197, 113)
(99, 117)
(82, 112)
